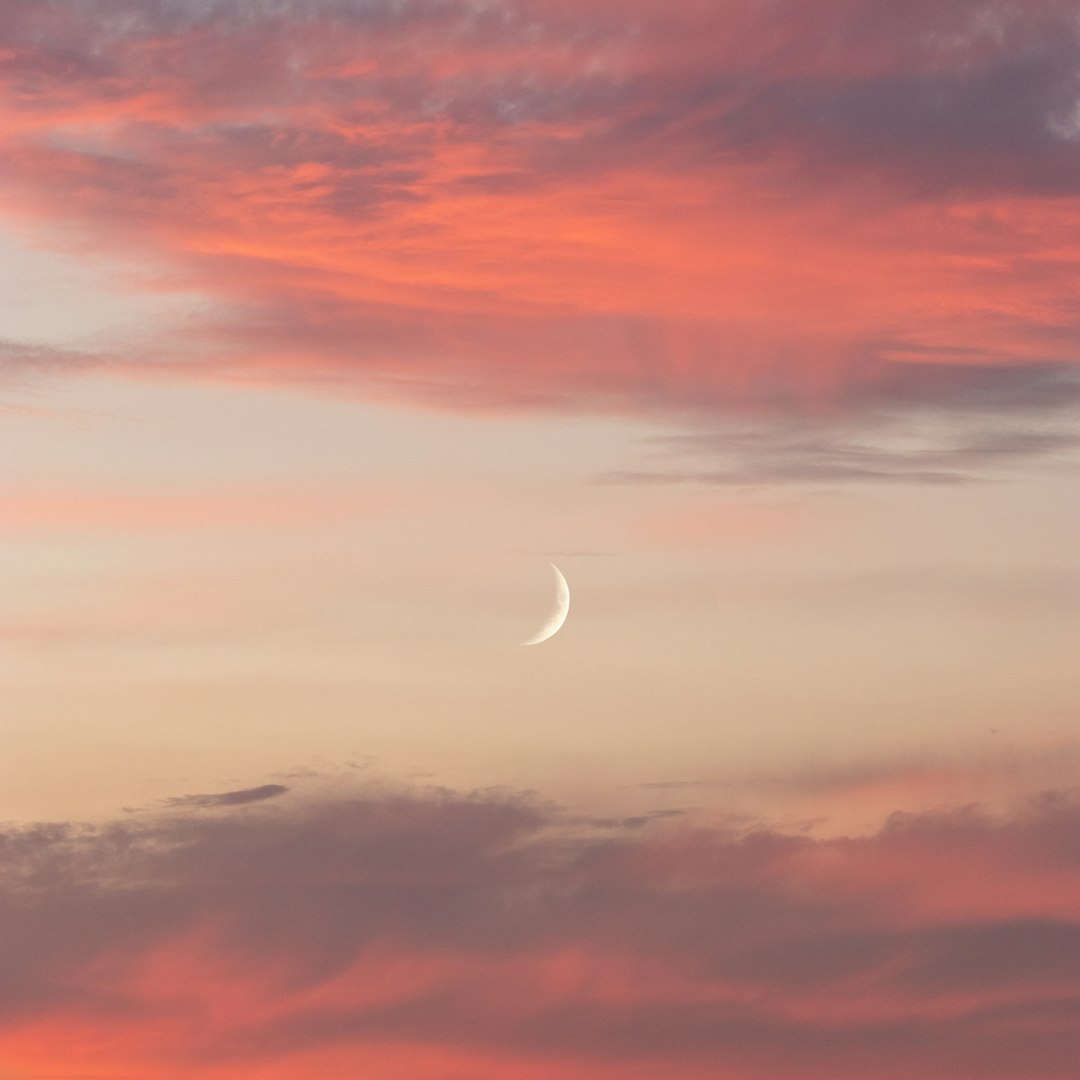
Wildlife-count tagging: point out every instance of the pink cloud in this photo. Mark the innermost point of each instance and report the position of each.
(708, 210)
(422, 931)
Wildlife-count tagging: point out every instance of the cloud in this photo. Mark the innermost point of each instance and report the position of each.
(713, 208)
(228, 798)
(833, 799)
(820, 455)
(1000, 122)
(907, 423)
(414, 928)
(19, 360)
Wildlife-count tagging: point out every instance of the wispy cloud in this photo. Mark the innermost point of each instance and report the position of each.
(242, 797)
(909, 423)
(534, 205)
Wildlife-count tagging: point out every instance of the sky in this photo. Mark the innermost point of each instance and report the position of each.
(325, 325)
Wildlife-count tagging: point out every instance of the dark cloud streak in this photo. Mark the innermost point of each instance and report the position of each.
(228, 798)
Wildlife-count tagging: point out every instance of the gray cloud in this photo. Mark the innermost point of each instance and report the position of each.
(920, 423)
(19, 360)
(1004, 125)
(826, 457)
(971, 387)
(228, 798)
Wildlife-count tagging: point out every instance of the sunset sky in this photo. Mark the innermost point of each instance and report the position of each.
(325, 325)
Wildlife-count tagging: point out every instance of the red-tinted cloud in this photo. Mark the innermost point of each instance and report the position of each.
(425, 934)
(787, 206)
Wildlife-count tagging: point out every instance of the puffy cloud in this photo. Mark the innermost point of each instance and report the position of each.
(421, 931)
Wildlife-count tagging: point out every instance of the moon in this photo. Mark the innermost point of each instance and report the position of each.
(558, 616)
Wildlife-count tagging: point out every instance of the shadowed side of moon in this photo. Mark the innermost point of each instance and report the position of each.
(558, 615)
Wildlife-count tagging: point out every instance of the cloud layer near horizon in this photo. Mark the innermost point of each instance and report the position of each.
(794, 206)
(419, 933)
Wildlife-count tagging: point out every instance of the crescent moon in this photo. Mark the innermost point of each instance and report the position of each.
(558, 616)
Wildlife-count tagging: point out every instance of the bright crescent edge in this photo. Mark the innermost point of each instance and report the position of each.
(555, 622)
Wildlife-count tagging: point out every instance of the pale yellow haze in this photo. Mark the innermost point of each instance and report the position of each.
(209, 584)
